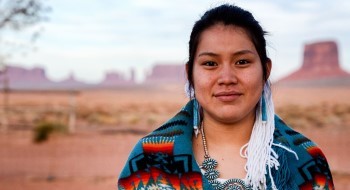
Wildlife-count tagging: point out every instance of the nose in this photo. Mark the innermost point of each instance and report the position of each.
(227, 75)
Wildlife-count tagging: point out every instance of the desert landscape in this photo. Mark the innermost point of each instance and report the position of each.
(73, 106)
(109, 122)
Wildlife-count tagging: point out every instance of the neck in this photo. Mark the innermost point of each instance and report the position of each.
(230, 134)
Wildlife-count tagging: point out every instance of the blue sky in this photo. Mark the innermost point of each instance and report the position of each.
(90, 37)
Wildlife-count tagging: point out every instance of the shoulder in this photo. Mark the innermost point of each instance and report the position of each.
(162, 139)
(311, 168)
(290, 138)
(164, 158)
(296, 141)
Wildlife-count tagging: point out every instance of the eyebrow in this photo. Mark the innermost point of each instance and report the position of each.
(234, 54)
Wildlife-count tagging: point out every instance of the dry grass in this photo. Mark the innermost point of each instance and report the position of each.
(118, 108)
(110, 122)
(320, 115)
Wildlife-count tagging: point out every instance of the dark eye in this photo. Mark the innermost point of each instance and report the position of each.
(210, 63)
(242, 62)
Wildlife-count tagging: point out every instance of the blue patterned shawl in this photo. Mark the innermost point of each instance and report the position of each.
(164, 159)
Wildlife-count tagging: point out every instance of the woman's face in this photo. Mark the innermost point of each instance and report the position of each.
(227, 74)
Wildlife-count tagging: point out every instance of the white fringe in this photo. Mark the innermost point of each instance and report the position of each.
(258, 151)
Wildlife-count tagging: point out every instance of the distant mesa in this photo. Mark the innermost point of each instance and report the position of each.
(22, 78)
(320, 67)
(165, 73)
(19, 78)
(71, 80)
(70, 83)
(21, 75)
(115, 79)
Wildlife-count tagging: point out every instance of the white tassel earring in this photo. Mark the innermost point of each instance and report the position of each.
(259, 152)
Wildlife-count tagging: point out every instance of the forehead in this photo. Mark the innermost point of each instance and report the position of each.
(222, 37)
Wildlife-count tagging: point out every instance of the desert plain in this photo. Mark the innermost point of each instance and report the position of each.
(109, 122)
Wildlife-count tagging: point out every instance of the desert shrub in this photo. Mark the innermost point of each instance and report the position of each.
(132, 119)
(83, 112)
(151, 120)
(43, 130)
(103, 119)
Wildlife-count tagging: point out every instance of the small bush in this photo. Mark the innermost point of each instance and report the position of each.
(43, 130)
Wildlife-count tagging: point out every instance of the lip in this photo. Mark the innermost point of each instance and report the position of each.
(227, 96)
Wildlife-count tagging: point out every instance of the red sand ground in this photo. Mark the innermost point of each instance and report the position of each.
(92, 159)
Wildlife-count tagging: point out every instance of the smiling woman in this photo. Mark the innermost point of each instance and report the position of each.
(231, 107)
(227, 75)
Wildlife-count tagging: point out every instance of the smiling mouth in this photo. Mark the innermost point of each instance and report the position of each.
(227, 96)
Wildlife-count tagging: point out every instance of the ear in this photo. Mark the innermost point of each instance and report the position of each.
(269, 67)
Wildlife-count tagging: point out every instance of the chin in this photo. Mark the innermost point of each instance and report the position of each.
(229, 118)
(233, 116)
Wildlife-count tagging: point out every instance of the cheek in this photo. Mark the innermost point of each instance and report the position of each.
(197, 78)
(256, 76)
(253, 82)
(203, 80)
(198, 83)
(202, 83)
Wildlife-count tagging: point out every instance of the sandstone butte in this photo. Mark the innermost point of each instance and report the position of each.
(320, 67)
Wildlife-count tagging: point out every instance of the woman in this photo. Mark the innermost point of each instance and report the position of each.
(227, 136)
